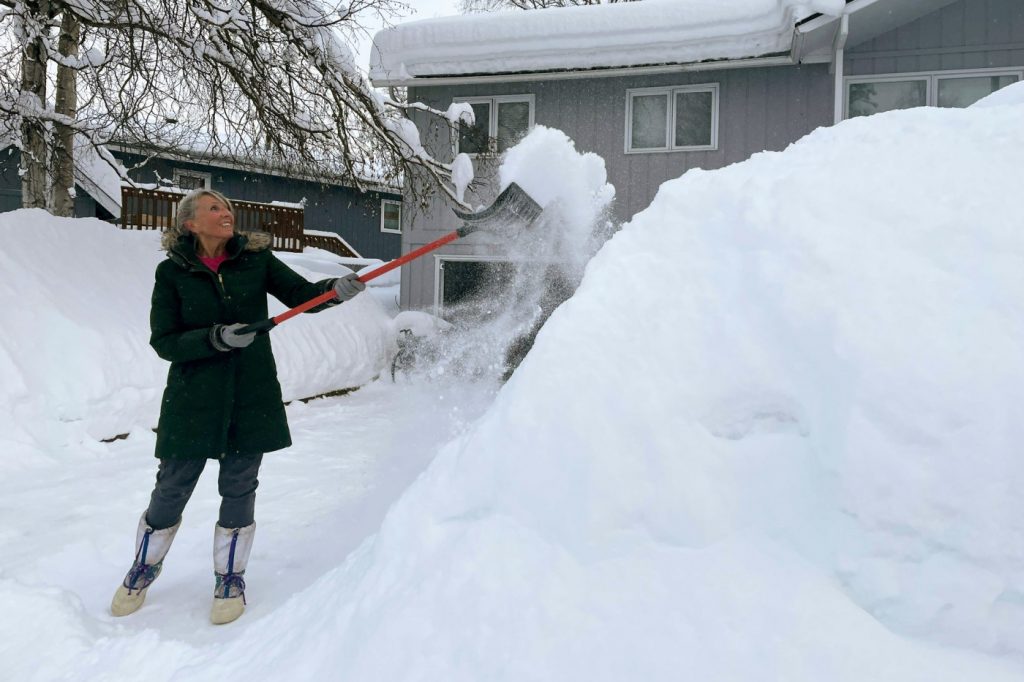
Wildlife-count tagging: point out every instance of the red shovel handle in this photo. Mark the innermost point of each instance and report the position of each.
(267, 325)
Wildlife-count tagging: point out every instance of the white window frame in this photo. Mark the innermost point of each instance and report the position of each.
(670, 119)
(931, 79)
(492, 124)
(385, 202)
(178, 172)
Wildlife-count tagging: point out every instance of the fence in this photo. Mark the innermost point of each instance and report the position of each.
(148, 209)
(330, 242)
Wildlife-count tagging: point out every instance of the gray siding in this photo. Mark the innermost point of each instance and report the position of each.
(766, 108)
(759, 109)
(969, 34)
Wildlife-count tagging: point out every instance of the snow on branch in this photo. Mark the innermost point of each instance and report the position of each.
(270, 80)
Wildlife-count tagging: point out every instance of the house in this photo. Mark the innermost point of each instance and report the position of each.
(662, 86)
(98, 187)
(370, 222)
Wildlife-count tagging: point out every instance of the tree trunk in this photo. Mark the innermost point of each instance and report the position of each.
(33, 132)
(65, 103)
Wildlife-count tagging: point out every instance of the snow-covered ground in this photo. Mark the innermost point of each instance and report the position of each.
(774, 436)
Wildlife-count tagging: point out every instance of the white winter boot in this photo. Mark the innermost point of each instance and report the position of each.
(150, 549)
(231, 547)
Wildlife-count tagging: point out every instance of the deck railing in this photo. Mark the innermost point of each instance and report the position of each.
(329, 241)
(149, 209)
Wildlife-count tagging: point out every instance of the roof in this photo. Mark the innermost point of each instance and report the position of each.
(266, 166)
(97, 177)
(585, 37)
(613, 39)
(91, 173)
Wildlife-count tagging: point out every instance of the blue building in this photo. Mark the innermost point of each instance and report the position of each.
(370, 221)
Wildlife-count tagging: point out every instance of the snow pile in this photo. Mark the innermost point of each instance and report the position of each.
(75, 361)
(419, 324)
(775, 434)
(602, 36)
(1009, 96)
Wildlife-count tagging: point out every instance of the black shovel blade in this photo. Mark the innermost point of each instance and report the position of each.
(511, 212)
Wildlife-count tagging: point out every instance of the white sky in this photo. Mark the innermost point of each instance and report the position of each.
(418, 9)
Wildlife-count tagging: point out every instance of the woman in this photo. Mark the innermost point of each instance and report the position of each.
(222, 400)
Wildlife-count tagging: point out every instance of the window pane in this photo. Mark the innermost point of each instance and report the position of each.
(392, 216)
(513, 123)
(693, 119)
(963, 92)
(473, 139)
(191, 182)
(872, 98)
(649, 122)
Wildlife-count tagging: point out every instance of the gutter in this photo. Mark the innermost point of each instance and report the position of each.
(838, 50)
(430, 81)
(797, 46)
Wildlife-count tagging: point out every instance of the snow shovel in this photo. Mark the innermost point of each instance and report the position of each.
(513, 211)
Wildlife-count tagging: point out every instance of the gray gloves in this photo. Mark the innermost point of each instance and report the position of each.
(225, 337)
(347, 287)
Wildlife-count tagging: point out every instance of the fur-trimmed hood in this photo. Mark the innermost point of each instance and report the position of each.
(258, 241)
(183, 250)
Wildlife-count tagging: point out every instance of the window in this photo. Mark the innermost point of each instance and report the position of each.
(866, 95)
(873, 97)
(390, 216)
(672, 119)
(500, 123)
(190, 179)
(963, 91)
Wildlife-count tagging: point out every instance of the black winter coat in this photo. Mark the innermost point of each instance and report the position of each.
(219, 404)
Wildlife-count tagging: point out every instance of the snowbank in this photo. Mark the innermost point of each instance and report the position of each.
(1011, 95)
(775, 435)
(75, 361)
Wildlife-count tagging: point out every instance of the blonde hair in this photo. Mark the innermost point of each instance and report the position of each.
(187, 211)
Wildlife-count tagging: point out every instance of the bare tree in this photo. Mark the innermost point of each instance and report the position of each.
(475, 6)
(62, 161)
(270, 81)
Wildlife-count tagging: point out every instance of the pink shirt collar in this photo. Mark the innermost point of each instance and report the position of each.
(214, 263)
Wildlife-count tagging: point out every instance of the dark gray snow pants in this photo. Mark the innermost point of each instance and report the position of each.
(177, 478)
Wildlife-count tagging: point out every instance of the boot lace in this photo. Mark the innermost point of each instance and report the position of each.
(233, 585)
(140, 570)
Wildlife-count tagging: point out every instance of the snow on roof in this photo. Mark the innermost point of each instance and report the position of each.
(590, 37)
(266, 165)
(93, 174)
(97, 177)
